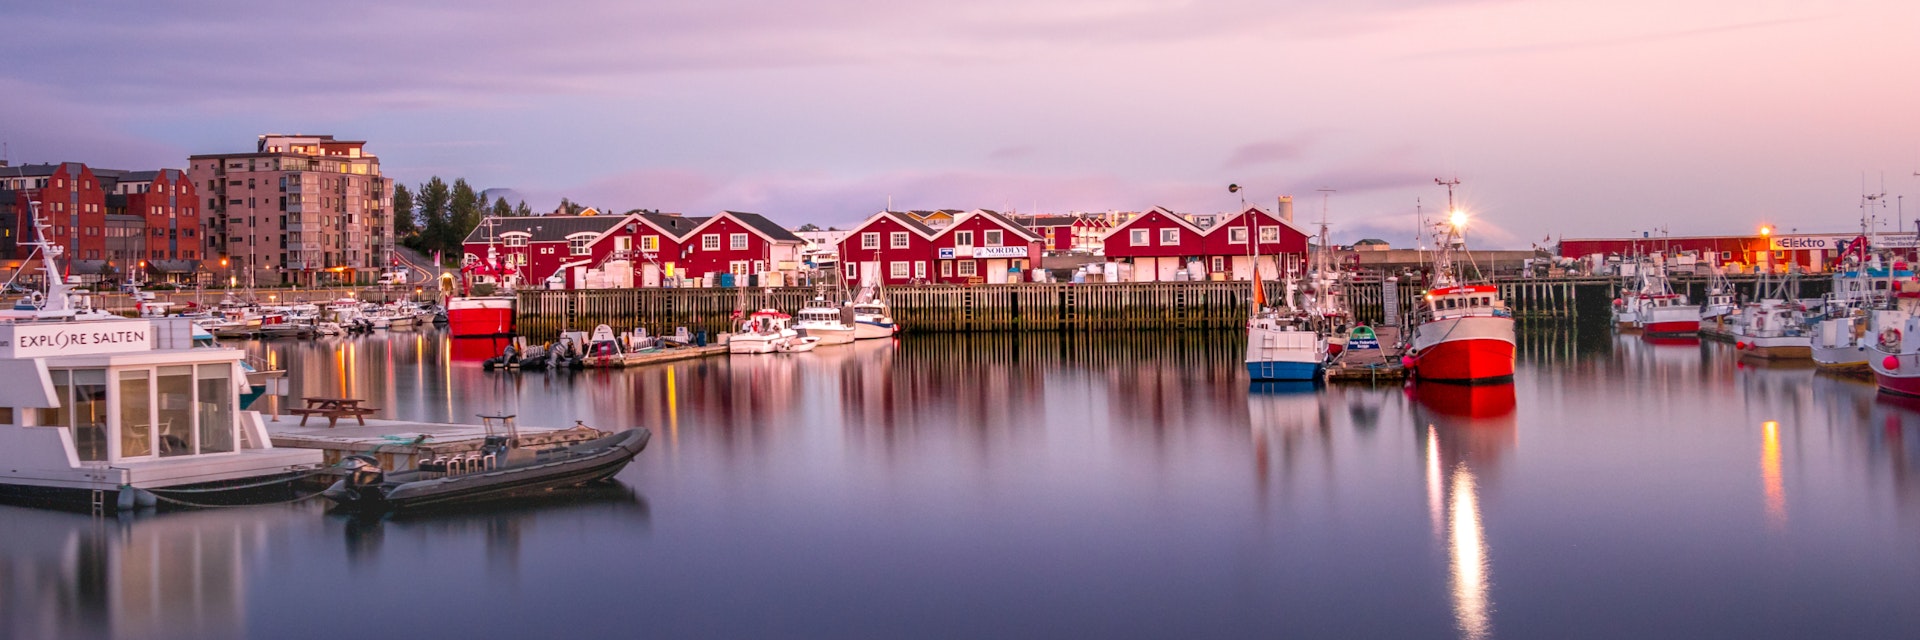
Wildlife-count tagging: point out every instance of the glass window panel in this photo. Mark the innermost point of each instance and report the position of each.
(90, 413)
(215, 408)
(174, 389)
(62, 397)
(136, 414)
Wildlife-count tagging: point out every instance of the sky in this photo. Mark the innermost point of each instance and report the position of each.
(1560, 118)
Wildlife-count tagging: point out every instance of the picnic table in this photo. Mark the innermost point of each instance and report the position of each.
(333, 409)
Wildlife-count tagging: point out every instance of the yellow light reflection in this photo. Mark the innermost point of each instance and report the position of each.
(1435, 488)
(1770, 474)
(673, 414)
(1469, 551)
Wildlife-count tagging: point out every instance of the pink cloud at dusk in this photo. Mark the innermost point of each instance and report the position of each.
(1562, 117)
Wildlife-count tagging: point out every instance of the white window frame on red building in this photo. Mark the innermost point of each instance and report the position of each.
(897, 270)
(946, 268)
(899, 240)
(969, 268)
(994, 237)
(737, 241)
(1237, 235)
(963, 238)
(1269, 234)
(1169, 237)
(920, 269)
(710, 242)
(1138, 237)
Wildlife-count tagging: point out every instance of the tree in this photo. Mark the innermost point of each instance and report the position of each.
(463, 214)
(809, 227)
(404, 224)
(501, 209)
(434, 201)
(523, 209)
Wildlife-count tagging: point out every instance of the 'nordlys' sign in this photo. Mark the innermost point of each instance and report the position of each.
(1000, 252)
(75, 338)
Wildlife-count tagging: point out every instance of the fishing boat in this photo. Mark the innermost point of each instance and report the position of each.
(830, 325)
(500, 469)
(1281, 347)
(118, 413)
(1659, 312)
(486, 310)
(1860, 302)
(1462, 332)
(1769, 330)
(872, 317)
(762, 332)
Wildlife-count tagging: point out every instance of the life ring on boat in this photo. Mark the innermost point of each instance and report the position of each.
(1889, 337)
(1619, 303)
(1759, 322)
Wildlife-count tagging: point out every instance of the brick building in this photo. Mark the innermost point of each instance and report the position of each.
(298, 209)
(107, 221)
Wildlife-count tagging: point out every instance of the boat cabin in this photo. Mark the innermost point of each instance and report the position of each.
(107, 396)
(1456, 302)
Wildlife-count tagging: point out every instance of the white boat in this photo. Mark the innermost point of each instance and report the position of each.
(831, 325)
(120, 413)
(872, 318)
(1859, 305)
(799, 345)
(762, 332)
(1280, 348)
(1769, 331)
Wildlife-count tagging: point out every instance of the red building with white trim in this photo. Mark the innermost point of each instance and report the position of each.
(889, 247)
(1161, 245)
(742, 244)
(983, 246)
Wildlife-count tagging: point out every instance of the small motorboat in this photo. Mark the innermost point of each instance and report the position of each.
(798, 345)
(500, 468)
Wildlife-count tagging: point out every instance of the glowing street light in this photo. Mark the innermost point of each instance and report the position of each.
(1766, 230)
(1459, 219)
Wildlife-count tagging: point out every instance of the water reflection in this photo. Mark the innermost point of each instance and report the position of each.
(68, 575)
(1467, 429)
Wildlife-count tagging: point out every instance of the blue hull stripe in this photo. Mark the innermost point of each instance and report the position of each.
(1283, 370)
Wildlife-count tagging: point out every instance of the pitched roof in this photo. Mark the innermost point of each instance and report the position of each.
(903, 218)
(1164, 212)
(28, 170)
(1225, 220)
(1055, 221)
(758, 223)
(997, 217)
(544, 228)
(676, 225)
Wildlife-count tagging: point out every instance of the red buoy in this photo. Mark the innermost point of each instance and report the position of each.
(1740, 345)
(1892, 363)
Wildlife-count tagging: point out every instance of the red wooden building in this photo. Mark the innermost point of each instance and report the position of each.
(984, 246)
(560, 252)
(742, 244)
(1162, 245)
(889, 247)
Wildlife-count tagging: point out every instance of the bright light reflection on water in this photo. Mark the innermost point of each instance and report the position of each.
(1041, 486)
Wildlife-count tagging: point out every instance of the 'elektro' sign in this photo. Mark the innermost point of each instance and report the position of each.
(75, 339)
(1806, 243)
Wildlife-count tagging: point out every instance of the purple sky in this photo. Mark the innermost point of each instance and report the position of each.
(1561, 117)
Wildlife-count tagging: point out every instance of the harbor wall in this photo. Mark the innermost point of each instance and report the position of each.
(1053, 306)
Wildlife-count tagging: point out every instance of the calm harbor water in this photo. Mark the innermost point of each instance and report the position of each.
(1050, 486)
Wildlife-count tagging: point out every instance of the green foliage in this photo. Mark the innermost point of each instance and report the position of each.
(463, 215)
(523, 209)
(501, 209)
(809, 227)
(434, 200)
(404, 224)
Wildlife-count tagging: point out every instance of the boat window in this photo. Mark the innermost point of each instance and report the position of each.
(215, 408)
(174, 388)
(89, 413)
(136, 414)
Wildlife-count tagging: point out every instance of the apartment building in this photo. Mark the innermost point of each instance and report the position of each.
(307, 210)
(109, 223)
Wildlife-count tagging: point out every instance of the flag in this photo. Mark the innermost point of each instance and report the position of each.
(1259, 293)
